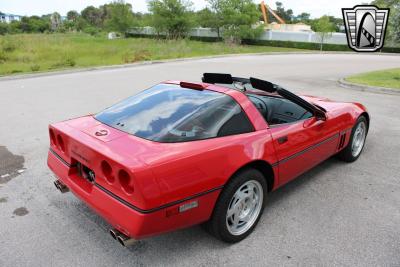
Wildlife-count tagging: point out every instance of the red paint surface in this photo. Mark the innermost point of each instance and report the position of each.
(162, 173)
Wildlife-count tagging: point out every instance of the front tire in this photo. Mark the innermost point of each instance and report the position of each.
(357, 141)
(239, 206)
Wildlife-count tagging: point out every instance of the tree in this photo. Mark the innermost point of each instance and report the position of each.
(303, 18)
(14, 26)
(30, 25)
(171, 17)
(393, 28)
(207, 18)
(3, 28)
(324, 28)
(73, 15)
(238, 20)
(215, 18)
(55, 20)
(93, 16)
(119, 16)
(286, 15)
(396, 30)
(142, 20)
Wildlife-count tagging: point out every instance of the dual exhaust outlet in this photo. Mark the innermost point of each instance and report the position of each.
(124, 240)
(61, 187)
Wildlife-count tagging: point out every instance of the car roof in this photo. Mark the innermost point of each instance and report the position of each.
(218, 88)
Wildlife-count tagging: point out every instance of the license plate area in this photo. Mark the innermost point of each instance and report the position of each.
(85, 172)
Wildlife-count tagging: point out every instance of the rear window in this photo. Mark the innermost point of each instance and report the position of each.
(169, 113)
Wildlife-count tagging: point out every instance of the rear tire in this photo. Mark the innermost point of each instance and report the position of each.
(239, 206)
(356, 143)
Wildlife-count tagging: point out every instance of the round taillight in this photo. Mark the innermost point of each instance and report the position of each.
(60, 143)
(126, 181)
(107, 171)
(52, 137)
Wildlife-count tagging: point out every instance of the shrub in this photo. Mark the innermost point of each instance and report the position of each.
(3, 57)
(8, 45)
(299, 45)
(35, 67)
(3, 28)
(142, 55)
(68, 62)
(91, 30)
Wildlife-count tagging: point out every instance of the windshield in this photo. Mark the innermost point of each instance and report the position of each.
(169, 113)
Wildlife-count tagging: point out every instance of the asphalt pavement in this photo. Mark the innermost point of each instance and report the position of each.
(338, 214)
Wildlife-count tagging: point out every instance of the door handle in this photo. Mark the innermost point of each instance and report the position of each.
(282, 140)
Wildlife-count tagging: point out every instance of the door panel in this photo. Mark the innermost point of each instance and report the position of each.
(302, 145)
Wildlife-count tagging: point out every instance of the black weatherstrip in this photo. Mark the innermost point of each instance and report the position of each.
(305, 150)
(60, 158)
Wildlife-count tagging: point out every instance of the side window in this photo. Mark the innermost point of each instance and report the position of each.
(239, 123)
(288, 112)
(279, 110)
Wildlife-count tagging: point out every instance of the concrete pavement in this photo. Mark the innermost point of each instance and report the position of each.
(337, 214)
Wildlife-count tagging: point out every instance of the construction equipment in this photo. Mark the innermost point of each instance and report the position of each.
(265, 8)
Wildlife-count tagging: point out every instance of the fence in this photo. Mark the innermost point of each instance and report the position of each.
(269, 35)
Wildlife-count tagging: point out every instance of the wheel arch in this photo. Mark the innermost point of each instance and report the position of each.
(366, 115)
(264, 167)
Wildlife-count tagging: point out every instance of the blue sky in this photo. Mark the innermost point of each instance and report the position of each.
(40, 7)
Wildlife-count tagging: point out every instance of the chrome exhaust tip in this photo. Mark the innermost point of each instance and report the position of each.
(114, 233)
(61, 187)
(126, 241)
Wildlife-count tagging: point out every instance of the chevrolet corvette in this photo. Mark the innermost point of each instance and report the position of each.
(183, 153)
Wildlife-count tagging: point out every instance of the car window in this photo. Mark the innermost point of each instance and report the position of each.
(169, 113)
(278, 110)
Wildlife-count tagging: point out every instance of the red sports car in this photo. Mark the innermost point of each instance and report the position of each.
(180, 153)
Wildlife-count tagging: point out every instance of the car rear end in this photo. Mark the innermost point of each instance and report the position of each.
(101, 166)
(136, 164)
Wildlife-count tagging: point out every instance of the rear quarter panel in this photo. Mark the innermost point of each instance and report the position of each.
(186, 169)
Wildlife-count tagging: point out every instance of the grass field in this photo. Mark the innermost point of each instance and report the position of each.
(384, 78)
(24, 53)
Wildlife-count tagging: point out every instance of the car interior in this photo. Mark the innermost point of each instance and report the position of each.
(277, 110)
(278, 106)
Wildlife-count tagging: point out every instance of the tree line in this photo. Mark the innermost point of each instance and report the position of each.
(233, 20)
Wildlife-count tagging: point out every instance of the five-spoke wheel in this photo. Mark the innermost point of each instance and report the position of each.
(244, 207)
(357, 141)
(239, 206)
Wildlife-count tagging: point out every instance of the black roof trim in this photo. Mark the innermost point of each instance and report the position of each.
(217, 78)
(262, 85)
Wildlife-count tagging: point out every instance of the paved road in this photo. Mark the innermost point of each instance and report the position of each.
(337, 214)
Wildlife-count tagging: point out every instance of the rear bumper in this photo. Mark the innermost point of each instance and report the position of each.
(129, 220)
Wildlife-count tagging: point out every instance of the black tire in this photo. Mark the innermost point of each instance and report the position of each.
(346, 154)
(217, 225)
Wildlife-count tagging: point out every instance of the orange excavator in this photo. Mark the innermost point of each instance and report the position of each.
(265, 8)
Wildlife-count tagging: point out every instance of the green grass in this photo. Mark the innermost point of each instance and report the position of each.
(24, 53)
(384, 78)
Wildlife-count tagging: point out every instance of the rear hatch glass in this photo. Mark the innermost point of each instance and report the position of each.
(169, 113)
